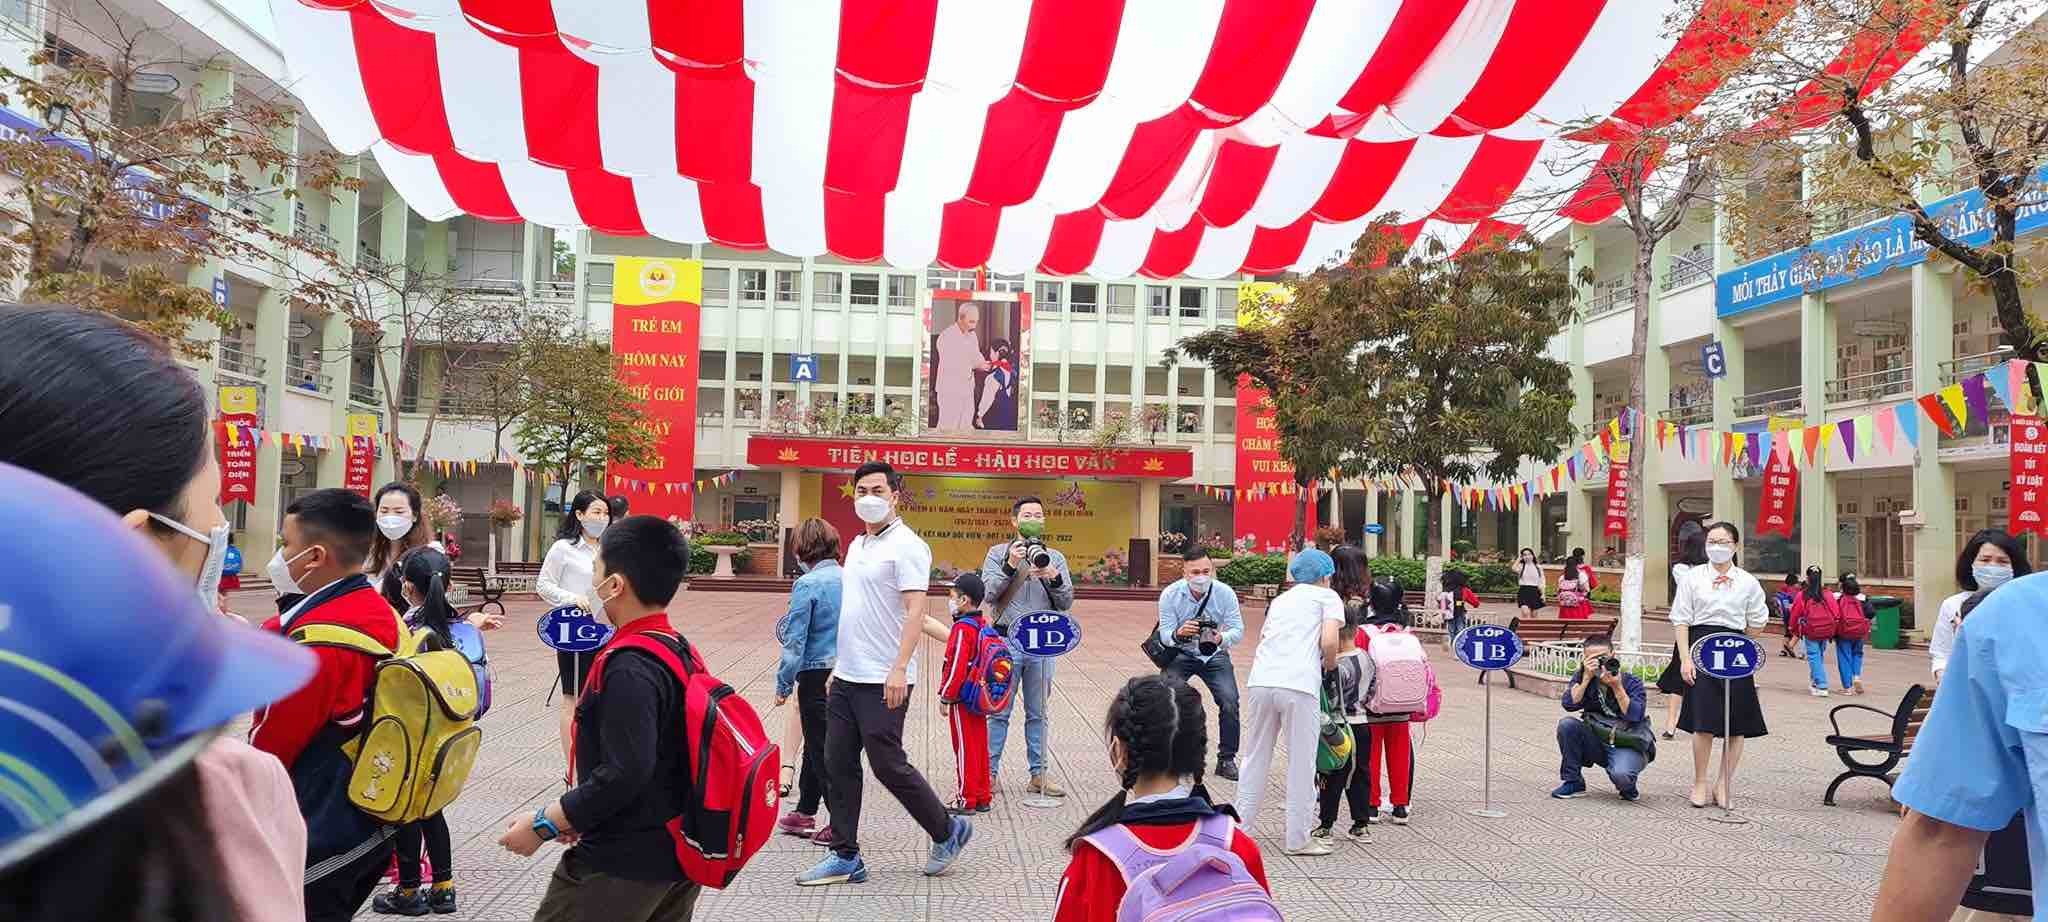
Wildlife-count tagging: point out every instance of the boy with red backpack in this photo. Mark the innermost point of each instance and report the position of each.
(976, 684)
(657, 812)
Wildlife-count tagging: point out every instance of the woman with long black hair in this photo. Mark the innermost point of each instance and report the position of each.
(401, 526)
(1720, 597)
(1528, 583)
(565, 580)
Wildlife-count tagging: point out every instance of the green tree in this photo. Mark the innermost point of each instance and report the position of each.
(580, 415)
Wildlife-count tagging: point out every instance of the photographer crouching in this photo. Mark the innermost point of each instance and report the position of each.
(1610, 729)
(1199, 622)
(1023, 576)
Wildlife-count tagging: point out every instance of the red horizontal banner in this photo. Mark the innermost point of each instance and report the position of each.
(943, 458)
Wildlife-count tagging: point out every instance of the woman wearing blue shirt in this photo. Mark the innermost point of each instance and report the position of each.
(809, 634)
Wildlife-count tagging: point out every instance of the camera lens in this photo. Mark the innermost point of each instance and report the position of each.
(1612, 664)
(1040, 558)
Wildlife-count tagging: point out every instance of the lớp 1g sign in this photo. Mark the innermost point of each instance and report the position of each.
(569, 629)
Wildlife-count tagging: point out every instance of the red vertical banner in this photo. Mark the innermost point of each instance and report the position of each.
(237, 432)
(1617, 490)
(362, 459)
(1264, 509)
(1781, 495)
(2027, 498)
(656, 316)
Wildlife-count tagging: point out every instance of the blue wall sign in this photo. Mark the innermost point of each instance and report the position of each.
(569, 629)
(1487, 646)
(803, 366)
(1375, 528)
(1045, 633)
(1860, 253)
(1728, 656)
(1714, 360)
(220, 291)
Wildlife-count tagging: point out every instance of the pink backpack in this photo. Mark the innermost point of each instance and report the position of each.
(1202, 880)
(1401, 678)
(1436, 699)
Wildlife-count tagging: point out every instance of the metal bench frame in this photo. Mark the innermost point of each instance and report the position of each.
(1892, 751)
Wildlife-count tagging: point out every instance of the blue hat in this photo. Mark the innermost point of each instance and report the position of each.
(1311, 565)
(112, 674)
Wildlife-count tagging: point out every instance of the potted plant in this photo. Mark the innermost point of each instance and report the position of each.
(763, 551)
(504, 514)
(1167, 563)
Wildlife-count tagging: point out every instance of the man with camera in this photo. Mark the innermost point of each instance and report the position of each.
(1609, 729)
(1199, 621)
(1022, 576)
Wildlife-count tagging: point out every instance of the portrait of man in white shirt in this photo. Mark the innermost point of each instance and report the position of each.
(958, 358)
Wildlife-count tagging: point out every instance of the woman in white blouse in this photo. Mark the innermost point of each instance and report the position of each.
(565, 580)
(1717, 598)
(1990, 559)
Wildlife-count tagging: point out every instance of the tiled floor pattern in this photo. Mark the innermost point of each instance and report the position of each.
(1596, 858)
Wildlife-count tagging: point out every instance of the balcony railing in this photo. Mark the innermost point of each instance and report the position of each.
(489, 287)
(1692, 415)
(1689, 269)
(1611, 300)
(363, 392)
(1777, 402)
(1963, 366)
(446, 404)
(554, 291)
(236, 362)
(316, 238)
(310, 380)
(1872, 385)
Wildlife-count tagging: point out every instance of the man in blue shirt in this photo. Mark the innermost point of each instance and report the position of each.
(1608, 729)
(1981, 757)
(1200, 616)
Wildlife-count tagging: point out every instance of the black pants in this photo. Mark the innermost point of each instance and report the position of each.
(858, 720)
(1349, 781)
(577, 893)
(810, 702)
(337, 896)
(433, 831)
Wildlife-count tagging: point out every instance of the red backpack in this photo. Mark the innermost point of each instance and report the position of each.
(733, 768)
(1816, 620)
(1855, 624)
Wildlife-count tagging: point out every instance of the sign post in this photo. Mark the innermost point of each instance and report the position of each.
(1044, 634)
(1727, 657)
(1488, 647)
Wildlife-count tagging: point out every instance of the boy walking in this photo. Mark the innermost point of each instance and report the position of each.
(629, 733)
(970, 729)
(881, 617)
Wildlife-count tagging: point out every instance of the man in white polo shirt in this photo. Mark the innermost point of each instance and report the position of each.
(881, 616)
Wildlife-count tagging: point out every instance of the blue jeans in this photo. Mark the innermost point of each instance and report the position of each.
(1849, 660)
(1033, 681)
(1221, 678)
(1817, 663)
(1577, 748)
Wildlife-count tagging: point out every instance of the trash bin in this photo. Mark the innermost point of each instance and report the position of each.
(1884, 621)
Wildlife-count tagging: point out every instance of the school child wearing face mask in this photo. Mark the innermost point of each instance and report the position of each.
(970, 729)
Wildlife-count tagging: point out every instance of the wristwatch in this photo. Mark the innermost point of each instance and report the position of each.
(544, 827)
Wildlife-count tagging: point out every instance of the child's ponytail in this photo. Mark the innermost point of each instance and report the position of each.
(426, 570)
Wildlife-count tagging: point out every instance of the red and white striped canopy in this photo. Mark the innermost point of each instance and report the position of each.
(1162, 137)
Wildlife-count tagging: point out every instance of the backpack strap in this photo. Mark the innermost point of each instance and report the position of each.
(323, 634)
(1215, 829)
(1130, 856)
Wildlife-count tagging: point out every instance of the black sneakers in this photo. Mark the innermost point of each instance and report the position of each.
(1227, 768)
(422, 901)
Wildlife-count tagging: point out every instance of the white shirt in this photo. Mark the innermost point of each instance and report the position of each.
(1947, 621)
(1290, 653)
(1678, 571)
(1531, 574)
(1706, 598)
(565, 574)
(878, 570)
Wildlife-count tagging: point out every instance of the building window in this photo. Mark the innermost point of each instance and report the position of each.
(1190, 421)
(1048, 297)
(997, 281)
(786, 287)
(717, 286)
(1191, 303)
(902, 292)
(1123, 300)
(867, 290)
(1158, 301)
(1085, 297)
(753, 285)
(1226, 306)
(827, 287)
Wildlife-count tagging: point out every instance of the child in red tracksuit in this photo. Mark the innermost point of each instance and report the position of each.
(970, 730)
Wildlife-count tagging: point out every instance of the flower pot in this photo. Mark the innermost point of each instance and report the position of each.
(764, 558)
(1168, 569)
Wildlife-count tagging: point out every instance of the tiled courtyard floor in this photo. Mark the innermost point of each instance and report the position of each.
(1596, 858)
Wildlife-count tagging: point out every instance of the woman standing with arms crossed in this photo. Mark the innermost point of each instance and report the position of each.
(565, 580)
(809, 633)
(1716, 599)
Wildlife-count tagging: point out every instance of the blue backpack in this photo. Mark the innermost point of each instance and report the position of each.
(470, 643)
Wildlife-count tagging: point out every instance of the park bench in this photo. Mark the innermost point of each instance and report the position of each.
(1557, 630)
(1889, 748)
(517, 575)
(478, 590)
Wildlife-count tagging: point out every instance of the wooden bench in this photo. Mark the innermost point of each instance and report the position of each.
(1557, 630)
(485, 589)
(1889, 748)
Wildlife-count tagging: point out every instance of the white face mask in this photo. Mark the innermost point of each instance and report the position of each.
(595, 527)
(395, 527)
(1200, 583)
(1720, 553)
(216, 543)
(873, 510)
(280, 570)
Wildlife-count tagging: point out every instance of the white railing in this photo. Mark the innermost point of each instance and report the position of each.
(1963, 366)
(235, 361)
(1691, 415)
(1689, 269)
(1769, 403)
(363, 392)
(1611, 299)
(1871, 385)
(554, 291)
(1559, 657)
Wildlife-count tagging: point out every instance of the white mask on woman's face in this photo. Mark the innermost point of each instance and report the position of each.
(395, 527)
(1720, 553)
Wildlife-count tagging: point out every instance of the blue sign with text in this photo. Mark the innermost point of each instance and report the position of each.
(1045, 633)
(803, 366)
(1714, 360)
(1487, 646)
(1862, 252)
(1375, 528)
(1728, 656)
(569, 629)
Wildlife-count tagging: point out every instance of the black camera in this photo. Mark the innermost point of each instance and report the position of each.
(1036, 555)
(1203, 627)
(1612, 664)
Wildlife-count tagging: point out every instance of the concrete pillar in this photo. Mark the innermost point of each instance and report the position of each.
(790, 512)
(1148, 511)
(336, 338)
(519, 542)
(1817, 540)
(273, 316)
(1445, 509)
(1336, 516)
(216, 85)
(1656, 521)
(1411, 524)
(1368, 540)
(1578, 513)
(1728, 491)
(1934, 483)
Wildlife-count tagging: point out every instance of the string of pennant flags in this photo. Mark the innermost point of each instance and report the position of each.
(239, 433)
(674, 487)
(2016, 383)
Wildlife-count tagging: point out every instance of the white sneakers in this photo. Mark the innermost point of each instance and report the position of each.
(1316, 847)
(1818, 692)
